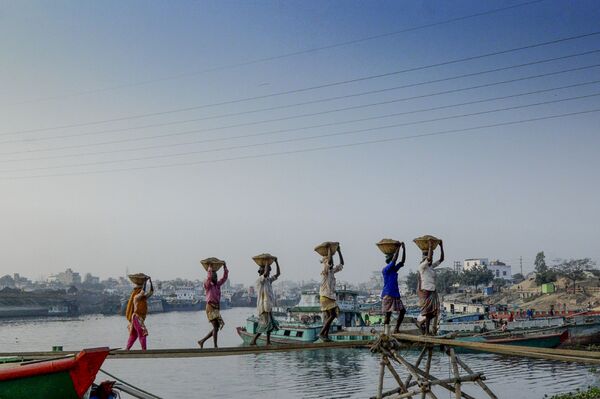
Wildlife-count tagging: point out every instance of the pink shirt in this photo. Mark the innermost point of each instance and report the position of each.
(212, 290)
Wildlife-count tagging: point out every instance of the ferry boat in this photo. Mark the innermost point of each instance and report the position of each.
(303, 322)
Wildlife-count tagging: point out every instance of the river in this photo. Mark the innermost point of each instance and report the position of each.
(339, 373)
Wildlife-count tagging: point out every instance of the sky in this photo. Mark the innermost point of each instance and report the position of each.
(144, 136)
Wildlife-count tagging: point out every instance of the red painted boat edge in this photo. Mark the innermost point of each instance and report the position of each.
(82, 368)
(87, 364)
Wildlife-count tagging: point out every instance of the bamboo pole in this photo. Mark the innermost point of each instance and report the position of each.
(381, 374)
(197, 352)
(521, 351)
(417, 363)
(395, 374)
(457, 391)
(479, 382)
(432, 379)
(427, 366)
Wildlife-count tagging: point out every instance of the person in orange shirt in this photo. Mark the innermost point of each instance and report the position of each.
(137, 309)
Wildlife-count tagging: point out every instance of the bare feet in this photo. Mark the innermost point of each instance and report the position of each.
(201, 343)
(324, 338)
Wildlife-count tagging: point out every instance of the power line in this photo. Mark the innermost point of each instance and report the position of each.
(287, 55)
(162, 146)
(355, 107)
(298, 139)
(310, 88)
(316, 101)
(314, 149)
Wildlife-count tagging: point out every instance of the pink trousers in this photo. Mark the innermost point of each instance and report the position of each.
(137, 332)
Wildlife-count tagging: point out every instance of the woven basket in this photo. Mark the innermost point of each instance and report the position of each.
(388, 246)
(264, 259)
(323, 248)
(423, 242)
(216, 263)
(138, 278)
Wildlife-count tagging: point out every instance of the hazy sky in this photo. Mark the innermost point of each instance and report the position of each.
(105, 197)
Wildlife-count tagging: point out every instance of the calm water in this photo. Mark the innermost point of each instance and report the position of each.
(311, 374)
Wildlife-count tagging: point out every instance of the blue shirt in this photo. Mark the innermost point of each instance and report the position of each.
(390, 280)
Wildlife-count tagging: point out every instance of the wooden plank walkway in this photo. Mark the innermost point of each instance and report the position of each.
(565, 355)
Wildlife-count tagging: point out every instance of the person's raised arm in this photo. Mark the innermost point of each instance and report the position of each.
(149, 293)
(430, 253)
(225, 275)
(339, 250)
(277, 270)
(208, 277)
(401, 263)
(441, 251)
(403, 253)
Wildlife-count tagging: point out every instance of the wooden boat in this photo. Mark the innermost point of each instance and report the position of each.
(547, 340)
(68, 378)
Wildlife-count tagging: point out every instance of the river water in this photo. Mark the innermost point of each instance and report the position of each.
(336, 373)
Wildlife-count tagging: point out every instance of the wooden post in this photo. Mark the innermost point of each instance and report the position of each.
(483, 386)
(417, 363)
(381, 373)
(456, 374)
(395, 374)
(427, 366)
(431, 379)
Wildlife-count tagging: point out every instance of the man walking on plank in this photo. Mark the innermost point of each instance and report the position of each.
(428, 297)
(327, 292)
(265, 302)
(390, 295)
(212, 288)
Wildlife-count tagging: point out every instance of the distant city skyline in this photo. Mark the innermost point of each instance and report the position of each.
(147, 136)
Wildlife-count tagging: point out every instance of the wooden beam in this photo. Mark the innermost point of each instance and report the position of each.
(197, 352)
(456, 374)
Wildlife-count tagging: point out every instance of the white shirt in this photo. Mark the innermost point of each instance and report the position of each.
(428, 274)
(327, 288)
(266, 296)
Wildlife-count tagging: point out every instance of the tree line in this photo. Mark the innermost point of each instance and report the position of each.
(573, 269)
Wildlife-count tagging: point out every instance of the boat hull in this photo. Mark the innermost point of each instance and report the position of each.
(536, 341)
(57, 379)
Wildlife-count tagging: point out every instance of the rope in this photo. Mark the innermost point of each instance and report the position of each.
(130, 385)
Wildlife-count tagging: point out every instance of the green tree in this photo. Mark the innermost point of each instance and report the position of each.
(476, 276)
(574, 269)
(445, 279)
(412, 281)
(543, 274)
(498, 283)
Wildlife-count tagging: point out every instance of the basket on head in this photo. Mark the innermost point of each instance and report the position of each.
(423, 242)
(324, 248)
(214, 262)
(388, 246)
(264, 260)
(138, 278)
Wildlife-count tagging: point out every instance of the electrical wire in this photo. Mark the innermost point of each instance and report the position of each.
(279, 107)
(314, 149)
(310, 88)
(162, 146)
(288, 55)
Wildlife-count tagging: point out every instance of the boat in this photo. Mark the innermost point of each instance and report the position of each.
(64, 378)
(303, 322)
(532, 339)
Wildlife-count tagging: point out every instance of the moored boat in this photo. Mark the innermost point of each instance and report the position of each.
(68, 378)
(537, 340)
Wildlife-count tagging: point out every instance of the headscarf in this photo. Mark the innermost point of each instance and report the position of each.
(130, 305)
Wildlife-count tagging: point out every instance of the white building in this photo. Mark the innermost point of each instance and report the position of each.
(501, 270)
(468, 264)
